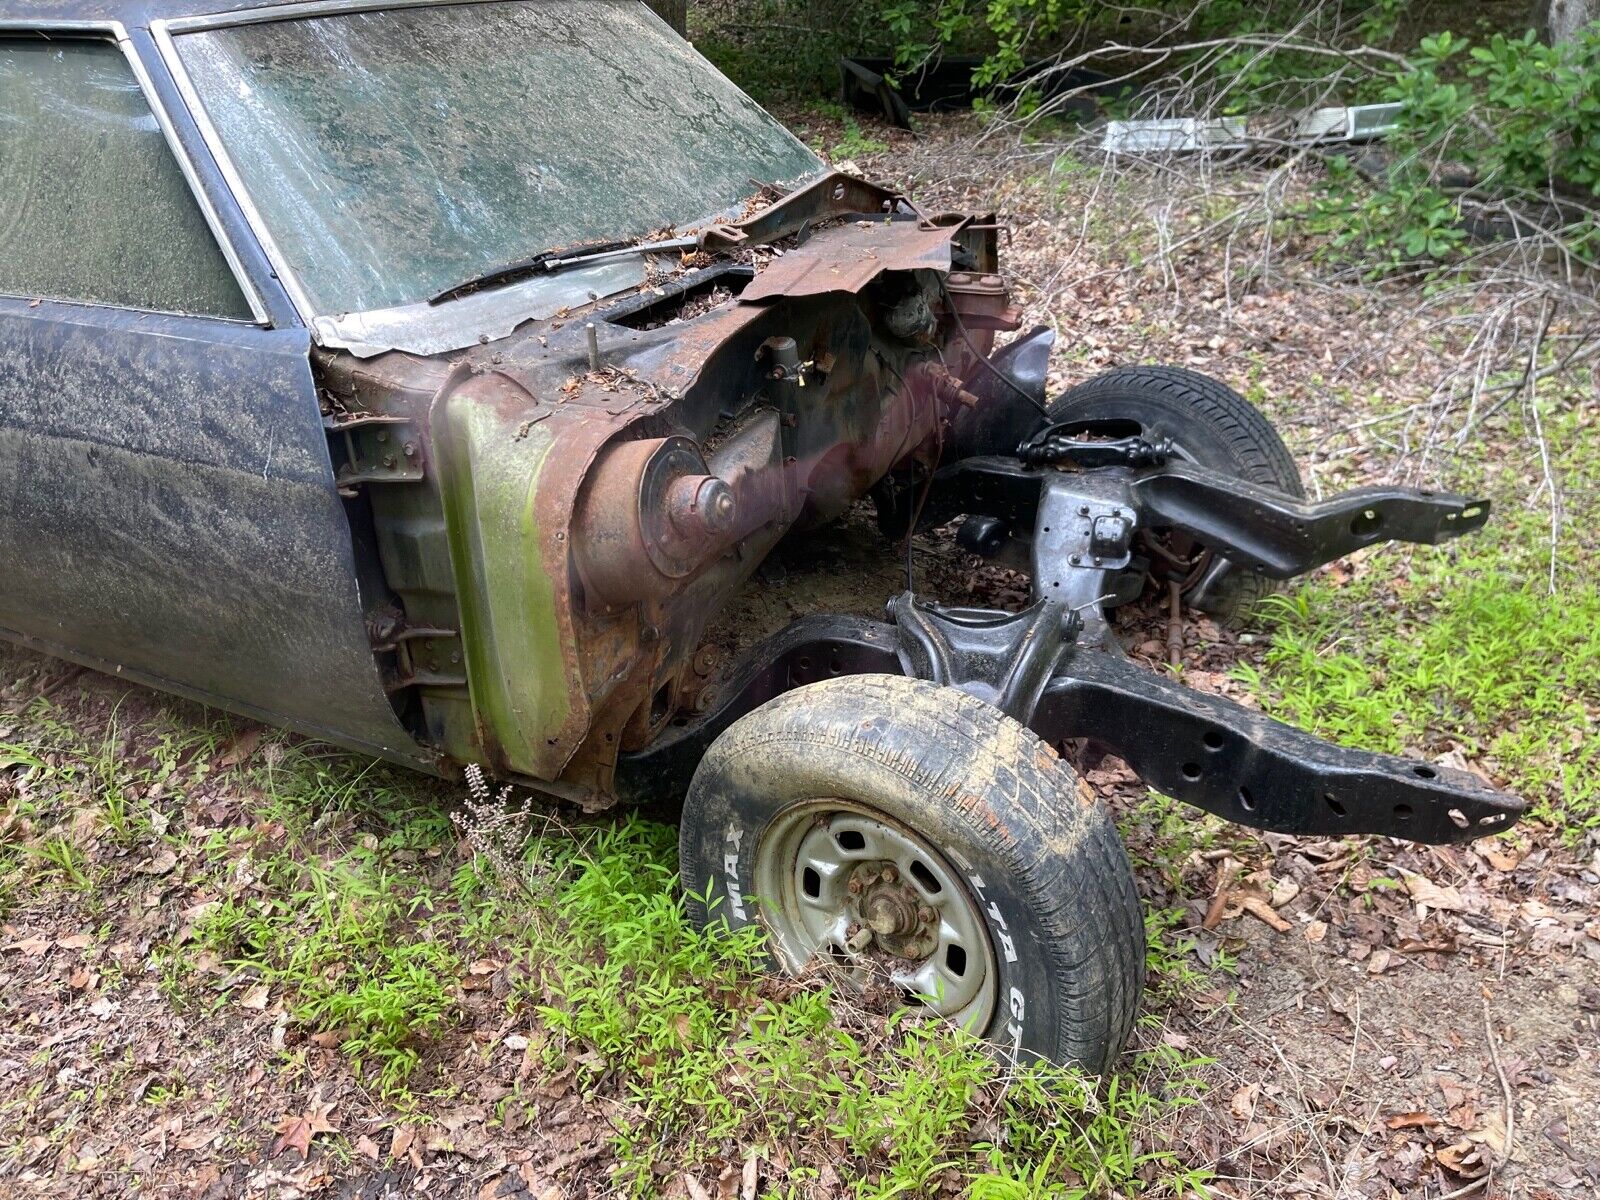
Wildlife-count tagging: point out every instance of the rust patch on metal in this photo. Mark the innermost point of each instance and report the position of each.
(848, 257)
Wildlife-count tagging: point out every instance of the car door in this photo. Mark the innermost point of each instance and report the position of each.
(167, 503)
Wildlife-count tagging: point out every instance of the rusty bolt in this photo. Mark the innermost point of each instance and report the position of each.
(859, 941)
(409, 449)
(991, 281)
(961, 277)
(388, 460)
(701, 504)
(890, 874)
(854, 886)
(925, 914)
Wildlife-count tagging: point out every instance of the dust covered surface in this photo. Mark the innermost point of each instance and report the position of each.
(201, 995)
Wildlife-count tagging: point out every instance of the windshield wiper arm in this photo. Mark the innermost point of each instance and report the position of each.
(548, 262)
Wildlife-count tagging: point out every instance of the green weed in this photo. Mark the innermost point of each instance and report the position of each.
(1462, 648)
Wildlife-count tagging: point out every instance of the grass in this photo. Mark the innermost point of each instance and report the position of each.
(1464, 648)
(854, 143)
(382, 930)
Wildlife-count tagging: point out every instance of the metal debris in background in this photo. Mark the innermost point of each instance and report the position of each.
(1319, 127)
(1166, 135)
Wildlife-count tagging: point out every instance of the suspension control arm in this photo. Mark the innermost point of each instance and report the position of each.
(1243, 766)
(1282, 537)
(1196, 747)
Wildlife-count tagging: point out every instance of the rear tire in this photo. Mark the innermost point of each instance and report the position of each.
(928, 819)
(1212, 426)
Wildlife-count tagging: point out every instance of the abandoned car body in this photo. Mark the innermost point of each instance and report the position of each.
(343, 387)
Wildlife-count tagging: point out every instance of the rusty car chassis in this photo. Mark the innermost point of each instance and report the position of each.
(507, 549)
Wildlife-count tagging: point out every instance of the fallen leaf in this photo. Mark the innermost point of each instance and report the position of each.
(1500, 860)
(1464, 1158)
(296, 1132)
(1260, 909)
(403, 1143)
(159, 864)
(28, 947)
(76, 941)
(198, 1139)
(367, 1148)
(1412, 1120)
(255, 998)
(748, 1180)
(1424, 891)
(241, 747)
(1243, 1104)
(695, 1188)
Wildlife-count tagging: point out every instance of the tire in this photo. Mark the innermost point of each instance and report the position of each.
(1212, 425)
(1022, 855)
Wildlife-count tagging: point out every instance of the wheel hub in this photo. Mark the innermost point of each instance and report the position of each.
(842, 882)
(902, 925)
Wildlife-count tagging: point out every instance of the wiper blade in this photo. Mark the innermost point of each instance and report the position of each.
(548, 262)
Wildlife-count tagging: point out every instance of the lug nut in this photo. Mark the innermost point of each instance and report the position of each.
(890, 874)
(854, 886)
(925, 914)
(859, 941)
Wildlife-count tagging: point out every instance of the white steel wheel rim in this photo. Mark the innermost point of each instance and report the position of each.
(921, 926)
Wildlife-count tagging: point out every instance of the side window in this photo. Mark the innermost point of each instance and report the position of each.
(95, 207)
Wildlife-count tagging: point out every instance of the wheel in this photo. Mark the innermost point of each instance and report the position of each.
(1210, 424)
(915, 836)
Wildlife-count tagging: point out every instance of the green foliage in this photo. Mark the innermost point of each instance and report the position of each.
(1472, 652)
(355, 949)
(1520, 116)
(854, 143)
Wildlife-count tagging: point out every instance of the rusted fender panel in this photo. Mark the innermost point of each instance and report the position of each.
(509, 558)
(167, 511)
(846, 258)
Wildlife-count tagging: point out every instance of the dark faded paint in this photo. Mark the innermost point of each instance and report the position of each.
(168, 511)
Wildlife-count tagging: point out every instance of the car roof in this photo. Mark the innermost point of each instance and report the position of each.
(138, 14)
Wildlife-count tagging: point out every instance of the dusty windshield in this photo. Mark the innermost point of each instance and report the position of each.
(393, 153)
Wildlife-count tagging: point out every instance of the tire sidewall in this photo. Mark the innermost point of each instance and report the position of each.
(1200, 441)
(1189, 415)
(739, 793)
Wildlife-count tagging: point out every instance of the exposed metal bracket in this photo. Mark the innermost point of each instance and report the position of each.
(1082, 535)
(1199, 748)
(1005, 659)
(378, 448)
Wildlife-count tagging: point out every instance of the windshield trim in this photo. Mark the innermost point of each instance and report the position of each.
(164, 32)
(421, 327)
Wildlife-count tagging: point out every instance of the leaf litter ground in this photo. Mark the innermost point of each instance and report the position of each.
(232, 963)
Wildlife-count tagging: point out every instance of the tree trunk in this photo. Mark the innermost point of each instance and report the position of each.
(676, 12)
(1560, 20)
